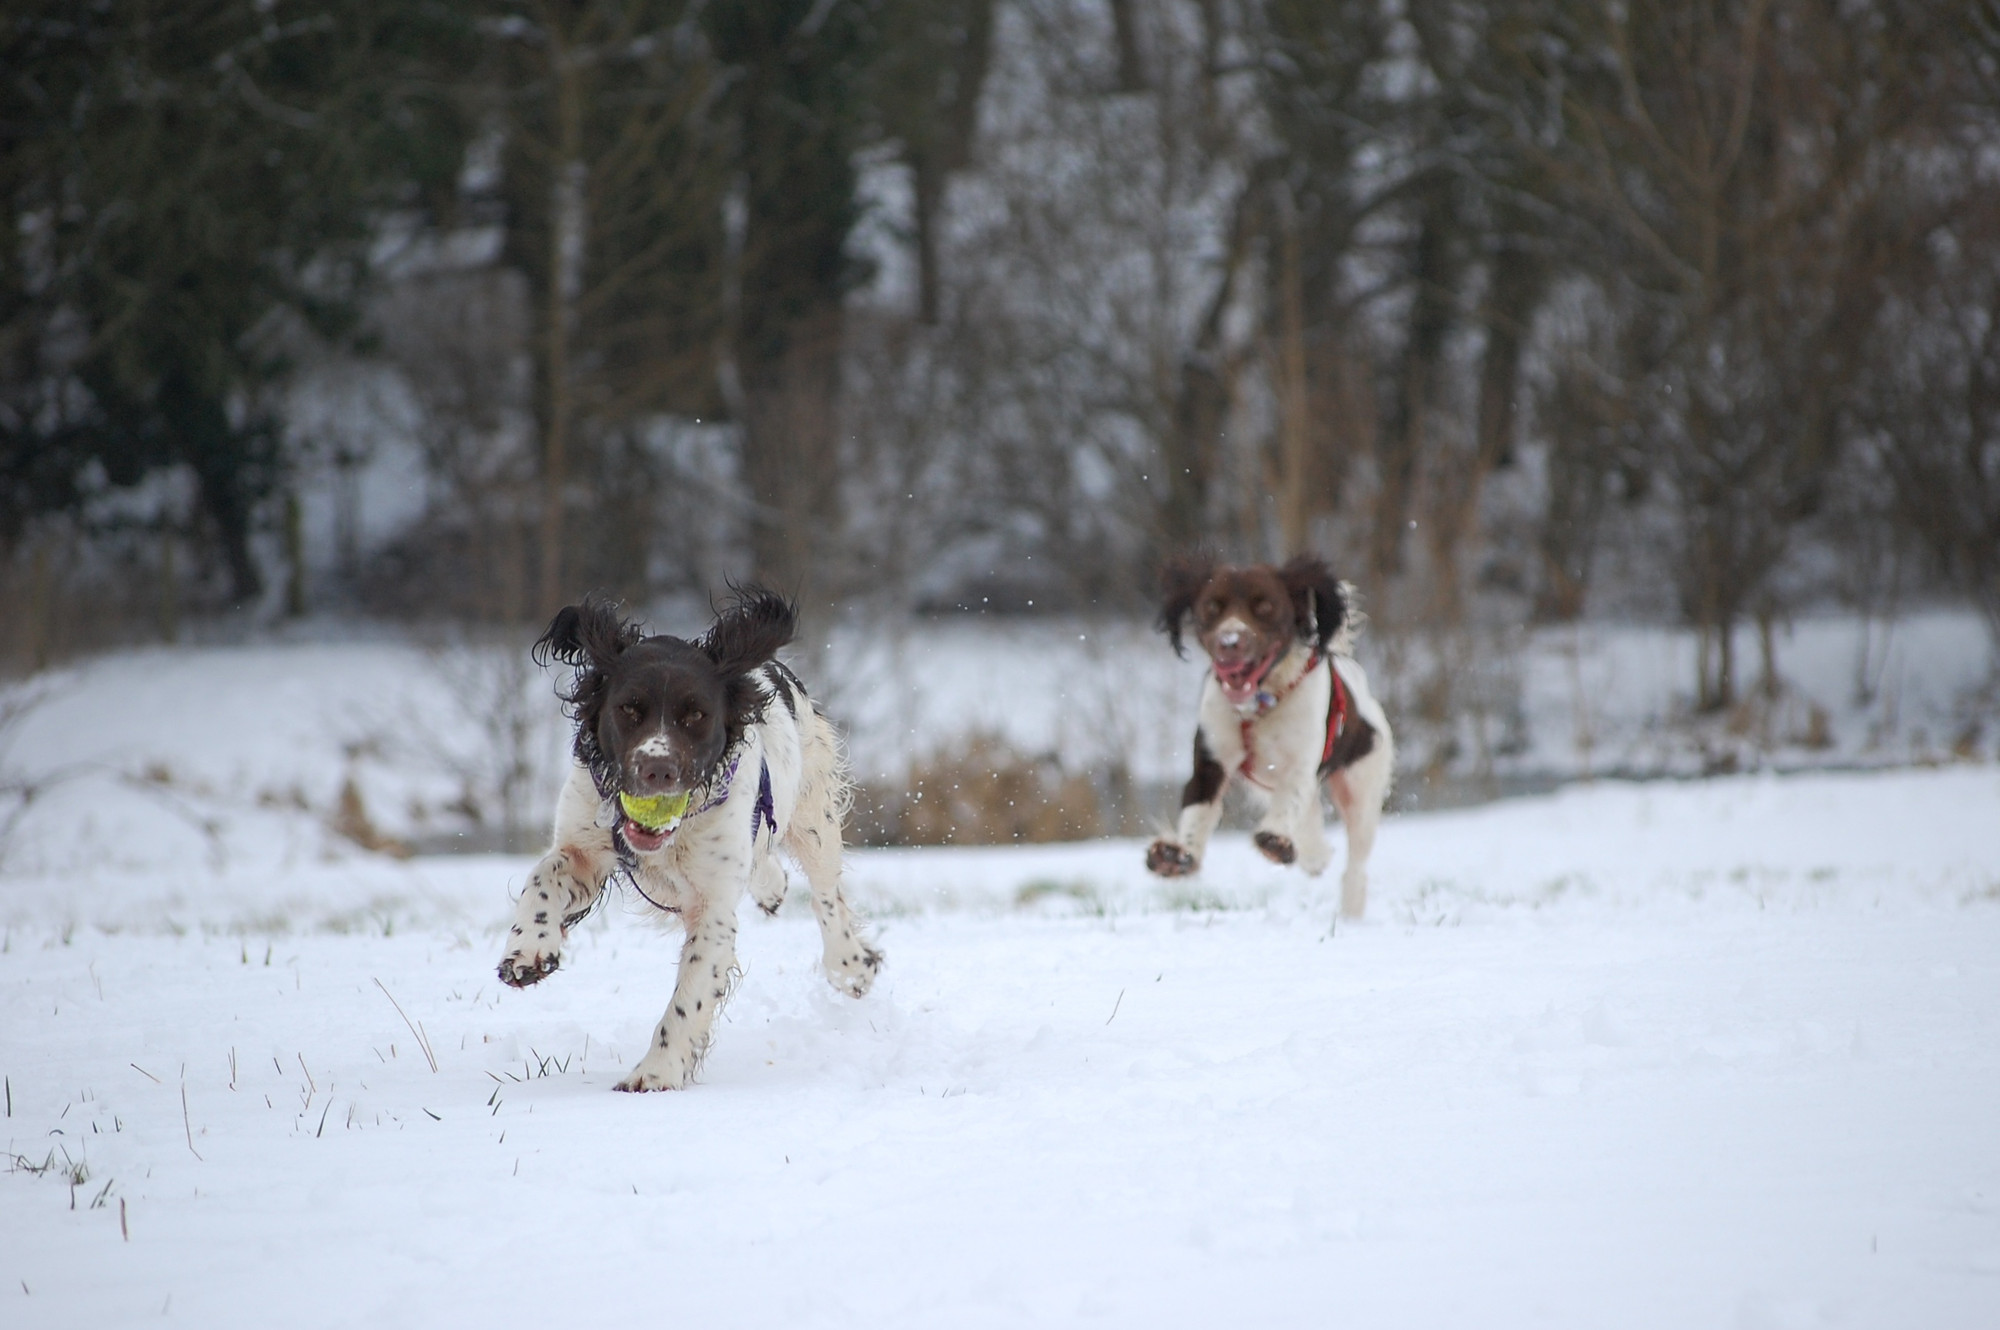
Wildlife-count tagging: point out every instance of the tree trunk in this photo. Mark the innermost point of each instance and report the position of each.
(1767, 648)
(41, 610)
(1461, 482)
(927, 201)
(170, 588)
(1294, 503)
(791, 453)
(1715, 635)
(568, 233)
(1399, 448)
(295, 556)
(1125, 35)
(942, 143)
(1205, 389)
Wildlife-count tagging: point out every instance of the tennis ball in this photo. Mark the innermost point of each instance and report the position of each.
(655, 813)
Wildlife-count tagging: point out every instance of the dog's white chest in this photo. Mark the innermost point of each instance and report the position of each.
(662, 886)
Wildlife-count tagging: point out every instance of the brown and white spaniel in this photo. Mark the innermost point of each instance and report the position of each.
(1285, 707)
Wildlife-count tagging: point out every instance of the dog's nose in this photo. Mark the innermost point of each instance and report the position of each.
(656, 771)
(1230, 638)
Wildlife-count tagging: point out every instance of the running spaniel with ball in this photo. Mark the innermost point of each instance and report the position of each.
(1286, 707)
(695, 763)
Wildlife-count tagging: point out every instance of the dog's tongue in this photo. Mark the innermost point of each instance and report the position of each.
(1239, 679)
(641, 839)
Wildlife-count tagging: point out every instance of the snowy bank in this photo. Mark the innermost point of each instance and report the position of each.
(269, 757)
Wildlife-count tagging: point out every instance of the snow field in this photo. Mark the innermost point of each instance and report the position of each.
(1719, 1053)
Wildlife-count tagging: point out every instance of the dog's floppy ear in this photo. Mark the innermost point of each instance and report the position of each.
(589, 636)
(1181, 580)
(749, 630)
(1318, 606)
(745, 635)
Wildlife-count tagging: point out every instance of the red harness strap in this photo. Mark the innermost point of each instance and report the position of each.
(1336, 718)
(1336, 713)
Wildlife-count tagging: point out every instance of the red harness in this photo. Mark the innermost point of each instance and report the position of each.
(1336, 717)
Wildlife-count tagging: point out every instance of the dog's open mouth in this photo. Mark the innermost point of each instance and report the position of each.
(650, 821)
(642, 840)
(1239, 678)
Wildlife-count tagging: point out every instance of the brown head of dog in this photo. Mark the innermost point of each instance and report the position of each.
(1246, 616)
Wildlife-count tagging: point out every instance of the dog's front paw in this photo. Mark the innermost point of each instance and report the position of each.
(1278, 849)
(529, 960)
(521, 967)
(854, 973)
(1170, 860)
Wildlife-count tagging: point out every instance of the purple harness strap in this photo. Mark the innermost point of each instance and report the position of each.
(765, 810)
(721, 792)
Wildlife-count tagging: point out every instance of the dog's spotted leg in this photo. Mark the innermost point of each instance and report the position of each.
(851, 962)
(813, 836)
(1201, 808)
(561, 890)
(708, 969)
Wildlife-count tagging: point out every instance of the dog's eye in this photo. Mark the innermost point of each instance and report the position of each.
(693, 717)
(1262, 608)
(634, 712)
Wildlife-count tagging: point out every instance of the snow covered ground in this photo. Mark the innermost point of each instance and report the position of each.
(1716, 1053)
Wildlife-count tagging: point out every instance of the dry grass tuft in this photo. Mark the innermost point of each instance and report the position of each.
(982, 791)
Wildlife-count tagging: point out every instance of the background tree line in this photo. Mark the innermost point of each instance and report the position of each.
(1519, 311)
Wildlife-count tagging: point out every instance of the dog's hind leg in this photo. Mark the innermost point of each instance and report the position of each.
(814, 839)
(850, 961)
(1359, 792)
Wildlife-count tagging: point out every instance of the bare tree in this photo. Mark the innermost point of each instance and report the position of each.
(460, 338)
(1735, 160)
(797, 72)
(1342, 164)
(613, 186)
(1095, 342)
(1931, 415)
(927, 92)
